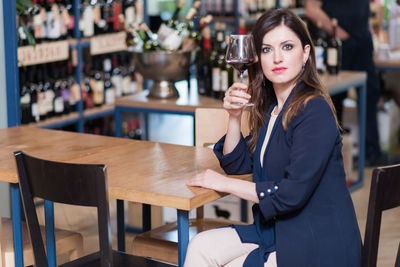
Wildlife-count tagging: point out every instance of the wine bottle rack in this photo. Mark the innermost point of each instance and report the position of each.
(50, 52)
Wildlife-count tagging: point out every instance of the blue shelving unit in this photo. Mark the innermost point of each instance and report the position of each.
(12, 73)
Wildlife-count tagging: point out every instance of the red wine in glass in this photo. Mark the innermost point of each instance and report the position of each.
(240, 53)
(240, 64)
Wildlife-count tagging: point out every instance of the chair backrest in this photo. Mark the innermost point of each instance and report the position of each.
(211, 124)
(75, 184)
(384, 195)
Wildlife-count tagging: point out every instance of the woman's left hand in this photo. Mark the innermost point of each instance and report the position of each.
(209, 179)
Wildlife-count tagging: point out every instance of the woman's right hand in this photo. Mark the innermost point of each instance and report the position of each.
(236, 97)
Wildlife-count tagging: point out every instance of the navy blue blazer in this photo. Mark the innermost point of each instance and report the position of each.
(304, 199)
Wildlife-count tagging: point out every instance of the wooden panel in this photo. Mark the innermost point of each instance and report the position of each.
(108, 43)
(43, 53)
(212, 123)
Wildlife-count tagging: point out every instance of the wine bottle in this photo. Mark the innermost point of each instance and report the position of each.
(53, 20)
(334, 50)
(87, 20)
(129, 12)
(42, 105)
(35, 117)
(117, 12)
(58, 101)
(109, 89)
(173, 22)
(74, 88)
(203, 67)
(97, 83)
(138, 130)
(25, 98)
(38, 24)
(48, 88)
(320, 48)
(116, 77)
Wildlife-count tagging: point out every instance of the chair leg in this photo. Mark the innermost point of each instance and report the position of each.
(200, 212)
(397, 264)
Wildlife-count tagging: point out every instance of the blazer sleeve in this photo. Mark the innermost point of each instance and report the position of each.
(314, 133)
(239, 161)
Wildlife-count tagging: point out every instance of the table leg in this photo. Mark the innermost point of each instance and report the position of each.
(50, 239)
(146, 217)
(183, 235)
(120, 225)
(16, 221)
(118, 121)
(243, 210)
(362, 123)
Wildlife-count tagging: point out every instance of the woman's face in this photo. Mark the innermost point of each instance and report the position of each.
(282, 56)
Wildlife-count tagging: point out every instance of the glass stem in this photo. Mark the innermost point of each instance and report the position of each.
(241, 77)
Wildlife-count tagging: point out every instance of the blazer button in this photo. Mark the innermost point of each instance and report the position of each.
(262, 194)
(269, 190)
(276, 187)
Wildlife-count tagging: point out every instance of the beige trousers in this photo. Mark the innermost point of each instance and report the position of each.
(221, 247)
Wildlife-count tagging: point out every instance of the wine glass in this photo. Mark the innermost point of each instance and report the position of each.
(241, 53)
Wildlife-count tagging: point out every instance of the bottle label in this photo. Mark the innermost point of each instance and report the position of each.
(117, 82)
(216, 79)
(126, 81)
(26, 99)
(332, 56)
(75, 93)
(319, 58)
(224, 80)
(88, 21)
(35, 111)
(130, 16)
(133, 87)
(49, 100)
(42, 103)
(110, 96)
(53, 23)
(98, 92)
(58, 105)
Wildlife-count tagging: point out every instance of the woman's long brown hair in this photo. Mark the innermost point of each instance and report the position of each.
(261, 89)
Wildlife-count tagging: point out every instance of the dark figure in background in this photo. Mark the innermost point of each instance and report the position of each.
(357, 54)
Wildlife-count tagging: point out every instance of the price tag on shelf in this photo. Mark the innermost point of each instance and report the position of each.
(42, 53)
(108, 43)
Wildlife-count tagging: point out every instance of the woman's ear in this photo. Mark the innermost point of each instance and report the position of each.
(306, 53)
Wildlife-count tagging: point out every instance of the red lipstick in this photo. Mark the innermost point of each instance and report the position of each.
(279, 70)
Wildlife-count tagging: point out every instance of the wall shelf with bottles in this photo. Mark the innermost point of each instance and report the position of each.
(50, 51)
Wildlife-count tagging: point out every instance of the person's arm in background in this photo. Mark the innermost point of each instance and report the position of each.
(314, 12)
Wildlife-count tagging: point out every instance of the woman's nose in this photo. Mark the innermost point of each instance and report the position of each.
(277, 56)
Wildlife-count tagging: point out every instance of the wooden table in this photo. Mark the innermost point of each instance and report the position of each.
(385, 65)
(187, 105)
(139, 171)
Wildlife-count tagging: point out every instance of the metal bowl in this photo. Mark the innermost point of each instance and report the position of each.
(164, 68)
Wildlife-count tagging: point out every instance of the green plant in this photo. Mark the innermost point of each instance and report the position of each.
(24, 8)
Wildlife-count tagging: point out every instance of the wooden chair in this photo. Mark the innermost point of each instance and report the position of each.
(67, 243)
(162, 242)
(74, 184)
(384, 195)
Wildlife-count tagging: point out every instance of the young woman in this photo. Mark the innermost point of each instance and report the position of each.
(303, 215)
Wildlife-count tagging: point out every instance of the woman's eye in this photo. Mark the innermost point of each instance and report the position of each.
(266, 49)
(288, 47)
